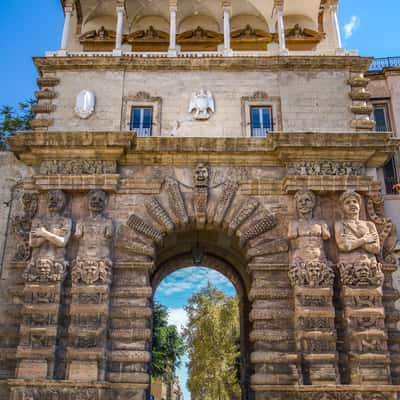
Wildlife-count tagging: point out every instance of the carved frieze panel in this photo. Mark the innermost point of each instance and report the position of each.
(325, 168)
(77, 167)
(55, 394)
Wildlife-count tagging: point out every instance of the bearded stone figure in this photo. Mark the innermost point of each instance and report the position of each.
(358, 243)
(48, 239)
(307, 235)
(95, 233)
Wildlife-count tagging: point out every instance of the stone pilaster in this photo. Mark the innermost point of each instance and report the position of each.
(315, 334)
(130, 324)
(365, 337)
(89, 312)
(39, 328)
(274, 355)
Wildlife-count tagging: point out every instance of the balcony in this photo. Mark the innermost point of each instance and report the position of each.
(386, 62)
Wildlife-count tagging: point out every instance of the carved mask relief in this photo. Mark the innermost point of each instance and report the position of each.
(201, 175)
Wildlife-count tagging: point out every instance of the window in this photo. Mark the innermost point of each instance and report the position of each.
(261, 121)
(142, 120)
(261, 114)
(381, 116)
(390, 176)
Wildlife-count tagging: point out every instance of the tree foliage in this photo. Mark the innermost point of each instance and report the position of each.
(13, 120)
(212, 335)
(168, 346)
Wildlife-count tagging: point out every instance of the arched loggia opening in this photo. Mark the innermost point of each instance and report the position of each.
(216, 251)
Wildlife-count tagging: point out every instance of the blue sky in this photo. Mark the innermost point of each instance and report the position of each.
(174, 292)
(29, 28)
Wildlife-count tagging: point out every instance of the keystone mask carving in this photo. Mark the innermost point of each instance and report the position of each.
(201, 175)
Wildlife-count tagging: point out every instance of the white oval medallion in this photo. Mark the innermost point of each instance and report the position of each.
(85, 104)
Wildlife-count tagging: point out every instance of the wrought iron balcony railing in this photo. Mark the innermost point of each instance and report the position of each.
(387, 62)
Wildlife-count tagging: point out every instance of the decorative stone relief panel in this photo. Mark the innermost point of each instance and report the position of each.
(325, 168)
(202, 105)
(21, 225)
(77, 167)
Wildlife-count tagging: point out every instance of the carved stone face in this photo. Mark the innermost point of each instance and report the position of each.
(43, 268)
(97, 201)
(305, 202)
(362, 272)
(90, 272)
(351, 206)
(201, 175)
(314, 271)
(56, 200)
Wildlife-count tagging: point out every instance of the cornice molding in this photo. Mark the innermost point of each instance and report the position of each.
(384, 74)
(137, 63)
(372, 149)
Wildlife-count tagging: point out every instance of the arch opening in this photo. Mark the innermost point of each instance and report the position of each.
(198, 257)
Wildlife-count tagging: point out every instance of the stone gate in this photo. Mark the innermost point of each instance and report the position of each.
(246, 146)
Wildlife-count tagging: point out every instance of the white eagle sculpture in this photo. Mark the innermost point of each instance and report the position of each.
(202, 103)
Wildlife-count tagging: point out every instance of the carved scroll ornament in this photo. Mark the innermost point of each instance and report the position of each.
(22, 224)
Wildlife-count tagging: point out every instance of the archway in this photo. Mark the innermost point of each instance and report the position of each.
(210, 223)
(214, 250)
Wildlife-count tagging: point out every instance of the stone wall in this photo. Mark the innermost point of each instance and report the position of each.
(303, 101)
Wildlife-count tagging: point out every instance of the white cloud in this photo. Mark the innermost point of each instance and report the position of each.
(177, 317)
(351, 26)
(193, 279)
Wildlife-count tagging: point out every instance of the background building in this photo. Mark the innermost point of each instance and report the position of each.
(384, 87)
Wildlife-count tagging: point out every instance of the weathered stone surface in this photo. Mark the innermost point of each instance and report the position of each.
(75, 315)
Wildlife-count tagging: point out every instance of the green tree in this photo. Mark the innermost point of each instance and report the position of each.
(212, 336)
(168, 346)
(13, 120)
